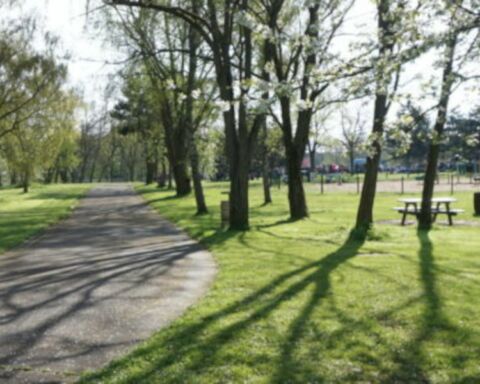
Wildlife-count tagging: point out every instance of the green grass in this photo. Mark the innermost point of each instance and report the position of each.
(24, 215)
(302, 303)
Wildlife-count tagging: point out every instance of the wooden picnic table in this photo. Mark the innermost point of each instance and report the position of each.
(441, 206)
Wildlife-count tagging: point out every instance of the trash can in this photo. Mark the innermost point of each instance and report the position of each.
(476, 203)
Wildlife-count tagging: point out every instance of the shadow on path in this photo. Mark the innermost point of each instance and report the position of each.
(90, 288)
(199, 352)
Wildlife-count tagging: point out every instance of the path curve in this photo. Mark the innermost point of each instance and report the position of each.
(95, 285)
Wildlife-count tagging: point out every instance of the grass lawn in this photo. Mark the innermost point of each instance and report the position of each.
(24, 215)
(301, 303)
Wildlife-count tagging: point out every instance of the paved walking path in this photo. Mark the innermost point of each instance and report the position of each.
(93, 286)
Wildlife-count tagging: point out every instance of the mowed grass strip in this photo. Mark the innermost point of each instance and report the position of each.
(304, 302)
(24, 215)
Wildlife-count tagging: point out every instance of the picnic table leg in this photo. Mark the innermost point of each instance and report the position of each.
(404, 218)
(435, 214)
(449, 214)
(417, 212)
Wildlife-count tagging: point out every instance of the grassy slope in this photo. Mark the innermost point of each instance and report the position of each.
(23, 215)
(298, 302)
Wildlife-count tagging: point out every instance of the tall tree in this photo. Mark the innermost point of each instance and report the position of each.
(391, 31)
(455, 11)
(298, 53)
(169, 49)
(26, 74)
(232, 52)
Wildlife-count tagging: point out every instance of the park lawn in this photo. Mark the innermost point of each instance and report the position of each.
(24, 215)
(304, 302)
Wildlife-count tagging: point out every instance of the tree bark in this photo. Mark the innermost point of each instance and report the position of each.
(239, 179)
(26, 182)
(296, 194)
(365, 208)
(425, 219)
(151, 171)
(267, 196)
(176, 140)
(13, 178)
(182, 179)
(170, 178)
(197, 180)
(162, 179)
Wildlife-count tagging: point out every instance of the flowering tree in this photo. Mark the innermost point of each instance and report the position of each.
(459, 20)
(298, 68)
(232, 49)
(399, 39)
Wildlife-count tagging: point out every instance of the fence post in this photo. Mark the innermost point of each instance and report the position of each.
(403, 185)
(451, 185)
(321, 184)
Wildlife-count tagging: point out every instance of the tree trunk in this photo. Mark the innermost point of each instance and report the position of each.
(151, 171)
(296, 193)
(476, 203)
(92, 172)
(267, 196)
(367, 199)
(239, 192)
(182, 180)
(351, 155)
(63, 176)
(387, 44)
(13, 178)
(162, 179)
(131, 171)
(26, 182)
(197, 179)
(425, 219)
(170, 179)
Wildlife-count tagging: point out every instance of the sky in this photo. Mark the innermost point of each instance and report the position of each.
(88, 53)
(89, 71)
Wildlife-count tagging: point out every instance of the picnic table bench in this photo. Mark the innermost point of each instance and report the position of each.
(441, 206)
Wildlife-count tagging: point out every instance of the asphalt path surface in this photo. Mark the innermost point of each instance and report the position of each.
(93, 286)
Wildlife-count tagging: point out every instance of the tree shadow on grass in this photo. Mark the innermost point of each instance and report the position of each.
(199, 345)
(411, 360)
(166, 198)
(199, 349)
(60, 195)
(287, 364)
